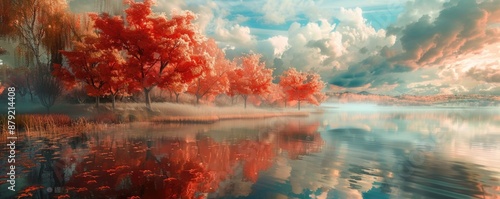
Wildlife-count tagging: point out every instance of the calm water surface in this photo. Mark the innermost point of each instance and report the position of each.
(344, 153)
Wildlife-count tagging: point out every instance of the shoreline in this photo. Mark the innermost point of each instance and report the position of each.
(215, 118)
(75, 116)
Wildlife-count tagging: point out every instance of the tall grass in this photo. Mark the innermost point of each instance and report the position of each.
(50, 123)
(36, 122)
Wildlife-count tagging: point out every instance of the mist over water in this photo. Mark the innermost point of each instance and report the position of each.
(354, 151)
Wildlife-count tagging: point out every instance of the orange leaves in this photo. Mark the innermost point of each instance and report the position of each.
(65, 75)
(138, 12)
(99, 67)
(158, 51)
(252, 78)
(255, 77)
(214, 79)
(301, 86)
(300, 139)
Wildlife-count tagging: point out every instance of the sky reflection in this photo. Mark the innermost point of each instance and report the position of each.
(344, 154)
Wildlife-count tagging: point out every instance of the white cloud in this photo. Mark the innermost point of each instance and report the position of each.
(415, 9)
(169, 5)
(322, 46)
(278, 12)
(280, 44)
(233, 33)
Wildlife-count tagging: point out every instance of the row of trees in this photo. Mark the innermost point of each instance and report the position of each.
(119, 56)
(144, 51)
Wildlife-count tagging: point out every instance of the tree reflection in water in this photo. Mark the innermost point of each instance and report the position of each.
(285, 158)
(94, 166)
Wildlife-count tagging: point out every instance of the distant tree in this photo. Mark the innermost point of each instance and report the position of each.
(252, 78)
(158, 51)
(214, 80)
(46, 86)
(78, 92)
(302, 86)
(17, 78)
(177, 88)
(274, 96)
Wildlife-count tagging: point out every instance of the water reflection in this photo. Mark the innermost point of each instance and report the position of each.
(383, 154)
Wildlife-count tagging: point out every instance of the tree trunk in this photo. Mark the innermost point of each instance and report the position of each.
(28, 85)
(80, 100)
(113, 99)
(177, 97)
(31, 97)
(197, 99)
(97, 101)
(148, 98)
(299, 105)
(245, 100)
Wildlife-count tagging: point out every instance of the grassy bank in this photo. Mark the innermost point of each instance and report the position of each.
(32, 118)
(215, 118)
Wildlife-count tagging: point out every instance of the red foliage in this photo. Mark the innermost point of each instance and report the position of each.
(300, 139)
(122, 167)
(300, 86)
(159, 51)
(214, 80)
(99, 67)
(274, 97)
(252, 78)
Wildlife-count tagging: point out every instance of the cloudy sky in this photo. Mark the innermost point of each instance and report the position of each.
(394, 47)
(421, 47)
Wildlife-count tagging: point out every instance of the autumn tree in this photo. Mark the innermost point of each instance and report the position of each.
(158, 50)
(78, 93)
(176, 88)
(100, 69)
(39, 28)
(274, 96)
(301, 86)
(214, 79)
(251, 78)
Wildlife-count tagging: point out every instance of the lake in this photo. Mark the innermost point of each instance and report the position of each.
(345, 152)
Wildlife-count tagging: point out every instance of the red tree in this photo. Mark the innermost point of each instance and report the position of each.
(302, 86)
(274, 96)
(100, 68)
(252, 78)
(177, 88)
(214, 80)
(158, 50)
